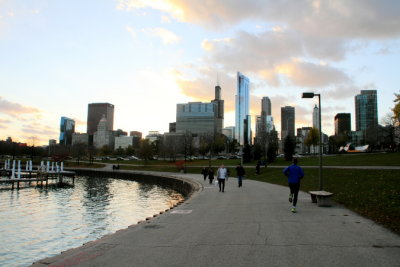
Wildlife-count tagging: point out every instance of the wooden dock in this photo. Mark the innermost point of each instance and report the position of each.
(36, 176)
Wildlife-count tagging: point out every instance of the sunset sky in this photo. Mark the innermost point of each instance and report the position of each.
(146, 56)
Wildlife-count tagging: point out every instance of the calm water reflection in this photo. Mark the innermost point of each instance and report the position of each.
(36, 223)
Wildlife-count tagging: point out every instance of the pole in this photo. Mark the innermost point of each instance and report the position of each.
(320, 143)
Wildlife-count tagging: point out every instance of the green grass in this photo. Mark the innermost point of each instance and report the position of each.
(365, 159)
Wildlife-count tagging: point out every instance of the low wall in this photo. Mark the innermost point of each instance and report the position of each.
(182, 185)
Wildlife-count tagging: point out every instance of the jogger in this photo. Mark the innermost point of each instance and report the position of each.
(294, 174)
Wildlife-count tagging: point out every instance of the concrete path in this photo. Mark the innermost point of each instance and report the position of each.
(248, 226)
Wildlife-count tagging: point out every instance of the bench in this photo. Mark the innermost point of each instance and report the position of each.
(322, 198)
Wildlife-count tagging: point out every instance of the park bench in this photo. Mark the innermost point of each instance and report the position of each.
(322, 198)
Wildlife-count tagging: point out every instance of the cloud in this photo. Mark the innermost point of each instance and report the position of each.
(342, 18)
(131, 31)
(39, 129)
(165, 35)
(15, 109)
(308, 74)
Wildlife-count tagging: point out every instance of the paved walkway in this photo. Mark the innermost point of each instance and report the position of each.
(248, 226)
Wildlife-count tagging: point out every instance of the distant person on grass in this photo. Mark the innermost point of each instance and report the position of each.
(294, 174)
(222, 175)
(240, 173)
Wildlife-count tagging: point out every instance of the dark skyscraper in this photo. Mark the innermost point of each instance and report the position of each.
(219, 112)
(342, 124)
(287, 121)
(366, 110)
(95, 113)
(265, 106)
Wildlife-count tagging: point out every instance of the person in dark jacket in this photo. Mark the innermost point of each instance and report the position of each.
(294, 174)
(211, 175)
(240, 174)
(204, 171)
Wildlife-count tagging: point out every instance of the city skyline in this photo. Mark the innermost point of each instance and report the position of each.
(145, 57)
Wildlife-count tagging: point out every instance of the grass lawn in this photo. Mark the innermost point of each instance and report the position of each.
(74, 164)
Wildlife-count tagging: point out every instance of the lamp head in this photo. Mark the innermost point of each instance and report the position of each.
(308, 95)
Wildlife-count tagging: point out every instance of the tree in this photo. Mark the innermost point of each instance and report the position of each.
(289, 147)
(205, 145)
(130, 151)
(312, 138)
(247, 153)
(105, 150)
(219, 144)
(145, 150)
(257, 151)
(79, 150)
(271, 152)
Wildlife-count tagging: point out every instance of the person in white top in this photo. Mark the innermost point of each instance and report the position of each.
(222, 175)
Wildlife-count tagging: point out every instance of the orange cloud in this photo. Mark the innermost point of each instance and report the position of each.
(16, 109)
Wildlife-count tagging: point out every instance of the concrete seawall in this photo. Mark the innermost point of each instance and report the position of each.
(184, 186)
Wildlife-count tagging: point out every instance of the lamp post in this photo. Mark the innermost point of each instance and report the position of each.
(311, 95)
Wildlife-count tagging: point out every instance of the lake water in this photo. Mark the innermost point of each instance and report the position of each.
(36, 222)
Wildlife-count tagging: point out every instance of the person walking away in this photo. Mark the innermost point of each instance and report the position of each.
(222, 174)
(211, 175)
(258, 167)
(240, 173)
(294, 174)
(204, 171)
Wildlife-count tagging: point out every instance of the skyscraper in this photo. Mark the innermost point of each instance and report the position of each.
(95, 113)
(242, 106)
(219, 110)
(196, 118)
(287, 122)
(201, 118)
(265, 106)
(67, 128)
(366, 110)
(315, 117)
(342, 124)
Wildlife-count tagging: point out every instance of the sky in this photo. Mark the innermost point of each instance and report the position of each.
(146, 56)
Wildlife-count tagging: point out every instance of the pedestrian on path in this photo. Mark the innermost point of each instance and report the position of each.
(204, 171)
(211, 175)
(222, 175)
(294, 174)
(258, 167)
(240, 173)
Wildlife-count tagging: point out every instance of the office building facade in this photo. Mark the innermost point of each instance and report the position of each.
(366, 110)
(103, 136)
(242, 110)
(219, 110)
(67, 128)
(343, 124)
(95, 114)
(287, 121)
(196, 118)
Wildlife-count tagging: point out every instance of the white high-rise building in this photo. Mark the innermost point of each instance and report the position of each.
(242, 107)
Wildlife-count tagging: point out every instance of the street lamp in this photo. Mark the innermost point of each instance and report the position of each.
(311, 95)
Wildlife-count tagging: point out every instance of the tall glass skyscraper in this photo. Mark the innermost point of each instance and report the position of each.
(366, 110)
(242, 107)
(67, 128)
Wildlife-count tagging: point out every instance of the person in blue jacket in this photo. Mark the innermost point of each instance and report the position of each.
(294, 174)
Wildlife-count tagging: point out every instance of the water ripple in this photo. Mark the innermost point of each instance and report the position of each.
(36, 223)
